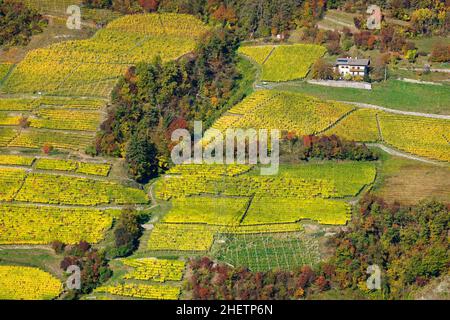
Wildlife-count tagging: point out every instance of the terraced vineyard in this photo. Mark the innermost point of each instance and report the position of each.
(207, 210)
(347, 177)
(181, 237)
(304, 115)
(155, 269)
(21, 224)
(41, 224)
(213, 170)
(35, 284)
(271, 109)
(29, 104)
(91, 168)
(66, 119)
(420, 136)
(36, 139)
(60, 189)
(285, 210)
(303, 182)
(284, 62)
(52, 6)
(10, 182)
(208, 202)
(244, 186)
(258, 53)
(147, 280)
(16, 160)
(16, 104)
(56, 99)
(92, 67)
(51, 190)
(7, 119)
(51, 120)
(360, 125)
(142, 291)
(7, 135)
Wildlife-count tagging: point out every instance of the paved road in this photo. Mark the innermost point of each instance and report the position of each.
(400, 154)
(24, 247)
(271, 86)
(408, 113)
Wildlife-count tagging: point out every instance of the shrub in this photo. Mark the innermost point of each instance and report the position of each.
(93, 264)
(24, 122)
(440, 52)
(47, 148)
(126, 234)
(322, 70)
(329, 147)
(58, 246)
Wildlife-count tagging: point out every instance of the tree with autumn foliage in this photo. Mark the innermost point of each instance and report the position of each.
(324, 148)
(149, 5)
(223, 13)
(47, 148)
(18, 23)
(322, 70)
(92, 263)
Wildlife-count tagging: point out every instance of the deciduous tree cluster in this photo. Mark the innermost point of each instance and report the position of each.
(152, 100)
(92, 263)
(409, 244)
(208, 280)
(18, 23)
(325, 147)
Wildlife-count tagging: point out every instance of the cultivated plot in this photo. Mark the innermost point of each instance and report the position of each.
(263, 252)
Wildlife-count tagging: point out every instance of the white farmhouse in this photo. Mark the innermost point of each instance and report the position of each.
(352, 66)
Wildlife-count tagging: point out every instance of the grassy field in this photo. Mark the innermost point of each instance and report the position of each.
(4, 70)
(425, 44)
(409, 182)
(391, 94)
(44, 259)
(431, 77)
